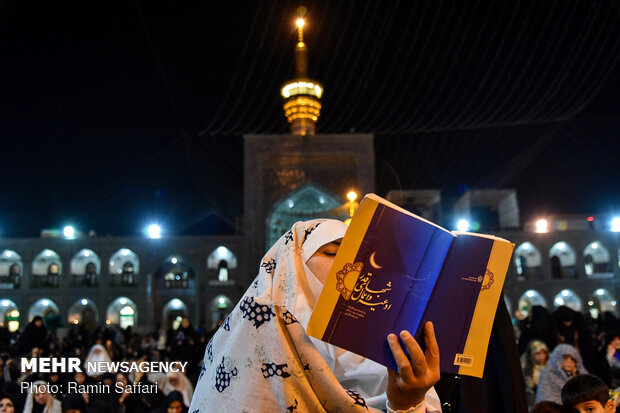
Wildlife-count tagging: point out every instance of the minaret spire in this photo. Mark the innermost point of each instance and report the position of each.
(302, 96)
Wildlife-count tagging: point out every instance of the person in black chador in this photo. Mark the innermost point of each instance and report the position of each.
(34, 335)
(185, 344)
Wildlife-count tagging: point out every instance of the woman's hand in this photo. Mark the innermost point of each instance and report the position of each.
(416, 373)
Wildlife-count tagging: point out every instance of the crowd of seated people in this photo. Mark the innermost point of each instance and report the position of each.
(558, 346)
(128, 392)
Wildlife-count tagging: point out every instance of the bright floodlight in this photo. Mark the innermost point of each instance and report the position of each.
(542, 225)
(84, 301)
(462, 225)
(615, 224)
(352, 196)
(68, 232)
(153, 231)
(300, 22)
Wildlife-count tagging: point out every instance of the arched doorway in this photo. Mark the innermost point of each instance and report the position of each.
(85, 313)
(529, 299)
(601, 301)
(122, 312)
(562, 261)
(223, 260)
(219, 309)
(48, 310)
(175, 273)
(173, 312)
(567, 298)
(124, 267)
(10, 269)
(46, 269)
(528, 261)
(596, 260)
(306, 202)
(9, 315)
(85, 267)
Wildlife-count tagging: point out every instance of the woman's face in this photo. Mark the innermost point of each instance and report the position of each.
(120, 378)
(175, 407)
(569, 364)
(320, 263)
(40, 397)
(6, 406)
(541, 357)
(79, 378)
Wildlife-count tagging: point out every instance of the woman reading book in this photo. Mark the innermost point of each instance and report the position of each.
(262, 360)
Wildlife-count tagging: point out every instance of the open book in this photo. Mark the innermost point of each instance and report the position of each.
(394, 271)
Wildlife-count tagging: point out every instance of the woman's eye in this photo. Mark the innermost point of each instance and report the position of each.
(331, 253)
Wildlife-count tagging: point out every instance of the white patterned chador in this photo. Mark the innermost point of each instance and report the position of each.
(261, 358)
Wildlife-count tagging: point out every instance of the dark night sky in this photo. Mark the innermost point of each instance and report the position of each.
(118, 112)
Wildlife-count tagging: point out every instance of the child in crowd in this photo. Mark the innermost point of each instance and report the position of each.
(587, 393)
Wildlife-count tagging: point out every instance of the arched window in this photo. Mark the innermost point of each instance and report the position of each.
(601, 301)
(9, 315)
(46, 269)
(569, 299)
(175, 273)
(10, 269)
(124, 266)
(83, 311)
(122, 312)
(596, 260)
(173, 313)
(529, 299)
(85, 267)
(219, 309)
(43, 307)
(562, 261)
(222, 259)
(301, 204)
(528, 261)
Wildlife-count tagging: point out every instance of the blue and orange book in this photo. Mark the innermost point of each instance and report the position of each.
(394, 271)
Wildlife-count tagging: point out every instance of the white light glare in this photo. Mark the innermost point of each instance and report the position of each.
(45, 302)
(615, 224)
(174, 260)
(462, 225)
(565, 293)
(542, 226)
(84, 301)
(68, 232)
(123, 301)
(530, 293)
(5, 303)
(599, 292)
(559, 301)
(594, 245)
(153, 231)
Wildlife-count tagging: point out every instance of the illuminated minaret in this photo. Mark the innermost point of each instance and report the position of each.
(302, 96)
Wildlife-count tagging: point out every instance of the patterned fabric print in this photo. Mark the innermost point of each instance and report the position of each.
(226, 324)
(203, 370)
(273, 369)
(357, 399)
(292, 407)
(269, 266)
(222, 377)
(288, 237)
(308, 231)
(288, 318)
(210, 351)
(257, 313)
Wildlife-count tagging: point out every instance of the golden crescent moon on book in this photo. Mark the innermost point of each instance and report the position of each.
(373, 262)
